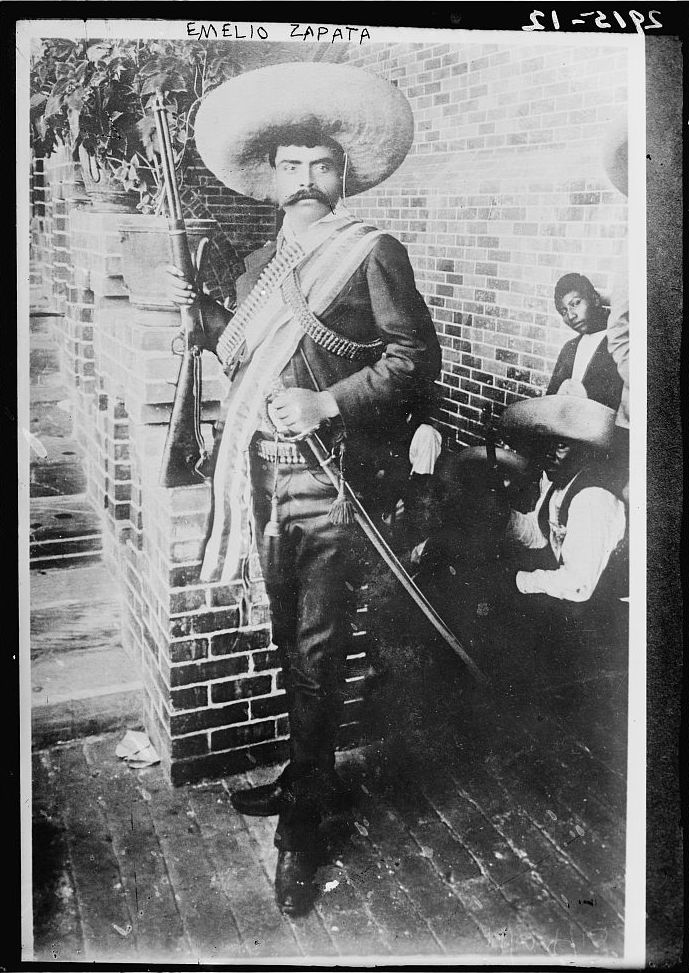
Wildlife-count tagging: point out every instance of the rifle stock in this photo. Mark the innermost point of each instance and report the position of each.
(184, 451)
(182, 454)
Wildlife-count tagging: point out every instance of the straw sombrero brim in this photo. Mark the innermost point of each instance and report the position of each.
(566, 417)
(367, 116)
(509, 462)
(616, 155)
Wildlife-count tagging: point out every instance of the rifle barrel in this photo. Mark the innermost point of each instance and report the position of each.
(167, 164)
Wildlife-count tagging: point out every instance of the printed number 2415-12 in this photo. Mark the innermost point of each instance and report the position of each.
(601, 21)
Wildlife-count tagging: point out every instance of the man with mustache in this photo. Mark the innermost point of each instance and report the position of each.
(329, 334)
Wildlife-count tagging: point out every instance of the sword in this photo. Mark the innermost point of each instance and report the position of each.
(362, 518)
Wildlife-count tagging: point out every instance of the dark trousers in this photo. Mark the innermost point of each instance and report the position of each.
(305, 575)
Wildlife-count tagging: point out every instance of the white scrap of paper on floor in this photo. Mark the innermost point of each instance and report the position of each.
(137, 750)
(35, 444)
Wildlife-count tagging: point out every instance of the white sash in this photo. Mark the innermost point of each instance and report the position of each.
(333, 251)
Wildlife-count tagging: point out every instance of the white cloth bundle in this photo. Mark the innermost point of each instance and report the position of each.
(424, 449)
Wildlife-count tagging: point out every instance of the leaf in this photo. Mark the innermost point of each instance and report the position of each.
(73, 116)
(53, 106)
(38, 100)
(75, 100)
(62, 47)
(60, 87)
(222, 68)
(175, 82)
(152, 83)
(152, 67)
(97, 52)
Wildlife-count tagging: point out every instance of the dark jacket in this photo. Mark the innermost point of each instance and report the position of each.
(601, 379)
(380, 300)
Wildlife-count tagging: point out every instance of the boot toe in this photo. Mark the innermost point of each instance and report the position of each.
(294, 888)
(267, 799)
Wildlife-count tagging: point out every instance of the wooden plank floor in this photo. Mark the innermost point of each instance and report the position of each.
(484, 824)
(507, 842)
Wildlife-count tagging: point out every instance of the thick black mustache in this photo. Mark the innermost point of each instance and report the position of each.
(314, 193)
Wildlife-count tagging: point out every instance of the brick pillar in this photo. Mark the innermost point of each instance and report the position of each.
(213, 701)
(62, 181)
(212, 698)
(40, 252)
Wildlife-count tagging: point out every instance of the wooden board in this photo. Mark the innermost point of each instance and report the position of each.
(209, 925)
(105, 917)
(76, 627)
(66, 586)
(57, 927)
(238, 871)
(157, 927)
(46, 419)
(63, 524)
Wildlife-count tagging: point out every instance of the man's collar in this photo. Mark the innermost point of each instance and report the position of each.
(287, 234)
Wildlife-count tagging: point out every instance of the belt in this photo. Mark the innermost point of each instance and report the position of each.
(279, 451)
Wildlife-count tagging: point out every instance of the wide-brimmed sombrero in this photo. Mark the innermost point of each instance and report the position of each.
(567, 417)
(615, 155)
(367, 116)
(509, 463)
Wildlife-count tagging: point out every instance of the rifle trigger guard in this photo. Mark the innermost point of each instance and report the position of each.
(177, 345)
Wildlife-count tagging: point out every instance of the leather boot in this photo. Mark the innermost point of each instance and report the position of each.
(266, 799)
(294, 888)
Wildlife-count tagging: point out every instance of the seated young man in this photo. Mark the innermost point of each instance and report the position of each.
(586, 358)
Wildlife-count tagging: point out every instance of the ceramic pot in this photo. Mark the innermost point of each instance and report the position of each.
(145, 252)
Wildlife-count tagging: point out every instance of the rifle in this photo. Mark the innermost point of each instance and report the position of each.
(184, 452)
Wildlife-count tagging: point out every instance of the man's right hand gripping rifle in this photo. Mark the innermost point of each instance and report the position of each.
(189, 294)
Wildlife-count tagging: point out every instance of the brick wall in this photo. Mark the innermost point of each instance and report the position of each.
(501, 194)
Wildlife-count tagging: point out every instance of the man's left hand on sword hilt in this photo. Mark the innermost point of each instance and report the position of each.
(295, 412)
(298, 412)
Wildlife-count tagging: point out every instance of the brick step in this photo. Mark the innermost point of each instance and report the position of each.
(62, 528)
(47, 419)
(111, 710)
(61, 448)
(43, 328)
(63, 477)
(48, 393)
(41, 304)
(82, 680)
